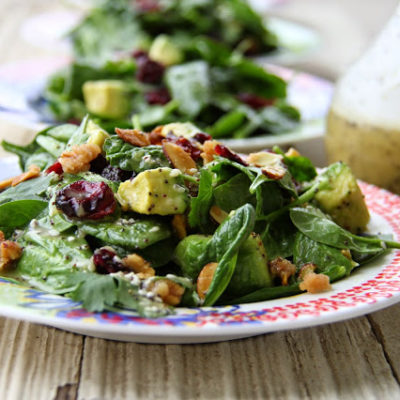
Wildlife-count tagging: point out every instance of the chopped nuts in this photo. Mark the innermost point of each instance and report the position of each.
(218, 214)
(306, 269)
(179, 225)
(315, 283)
(179, 158)
(282, 268)
(9, 252)
(139, 265)
(208, 151)
(205, 278)
(134, 136)
(270, 164)
(79, 157)
(32, 172)
(170, 292)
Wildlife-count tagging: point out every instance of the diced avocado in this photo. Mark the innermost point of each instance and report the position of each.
(190, 255)
(97, 135)
(106, 98)
(342, 199)
(185, 129)
(164, 51)
(155, 191)
(251, 272)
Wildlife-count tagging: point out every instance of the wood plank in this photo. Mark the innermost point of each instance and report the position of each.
(38, 362)
(386, 326)
(343, 361)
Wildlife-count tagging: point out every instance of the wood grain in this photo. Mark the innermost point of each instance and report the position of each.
(37, 361)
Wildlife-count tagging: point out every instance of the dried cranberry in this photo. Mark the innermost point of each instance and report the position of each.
(255, 101)
(149, 71)
(56, 167)
(159, 96)
(185, 144)
(146, 6)
(225, 152)
(202, 137)
(106, 261)
(74, 121)
(98, 164)
(116, 174)
(140, 54)
(83, 199)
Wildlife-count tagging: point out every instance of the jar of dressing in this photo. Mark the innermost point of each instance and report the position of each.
(363, 125)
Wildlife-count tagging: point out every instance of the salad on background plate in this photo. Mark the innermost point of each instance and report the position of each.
(149, 222)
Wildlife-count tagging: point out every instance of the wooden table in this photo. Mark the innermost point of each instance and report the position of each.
(356, 359)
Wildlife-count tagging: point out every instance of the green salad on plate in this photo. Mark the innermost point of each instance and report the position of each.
(149, 221)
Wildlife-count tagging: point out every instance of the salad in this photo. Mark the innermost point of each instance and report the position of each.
(170, 218)
(149, 63)
(122, 25)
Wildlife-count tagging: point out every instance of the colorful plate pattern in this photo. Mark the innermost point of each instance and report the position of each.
(370, 288)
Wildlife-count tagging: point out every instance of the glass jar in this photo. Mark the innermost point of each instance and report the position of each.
(363, 125)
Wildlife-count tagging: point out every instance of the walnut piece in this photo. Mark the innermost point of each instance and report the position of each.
(9, 252)
(79, 157)
(139, 265)
(170, 292)
(208, 151)
(134, 136)
(315, 283)
(282, 268)
(179, 158)
(33, 172)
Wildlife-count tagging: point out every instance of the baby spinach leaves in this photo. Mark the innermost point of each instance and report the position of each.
(223, 248)
(130, 158)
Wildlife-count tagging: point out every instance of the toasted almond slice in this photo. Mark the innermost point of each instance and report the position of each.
(218, 214)
(6, 183)
(79, 157)
(134, 136)
(179, 225)
(274, 172)
(9, 252)
(139, 265)
(32, 172)
(264, 159)
(205, 278)
(179, 158)
(292, 152)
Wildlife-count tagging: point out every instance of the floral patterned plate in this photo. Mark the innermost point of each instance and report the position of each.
(370, 288)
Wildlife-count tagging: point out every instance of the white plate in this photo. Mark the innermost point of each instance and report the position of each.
(367, 289)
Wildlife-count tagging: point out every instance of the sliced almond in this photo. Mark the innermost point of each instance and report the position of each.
(179, 158)
(134, 137)
(218, 214)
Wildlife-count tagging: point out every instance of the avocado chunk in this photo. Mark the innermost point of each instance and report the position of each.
(342, 199)
(106, 98)
(97, 135)
(164, 51)
(251, 272)
(155, 191)
(190, 254)
(185, 129)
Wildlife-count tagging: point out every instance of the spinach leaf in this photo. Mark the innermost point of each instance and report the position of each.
(317, 226)
(136, 234)
(18, 213)
(224, 246)
(32, 189)
(130, 158)
(200, 205)
(190, 85)
(307, 250)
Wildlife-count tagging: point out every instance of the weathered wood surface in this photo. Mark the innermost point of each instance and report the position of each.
(356, 359)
